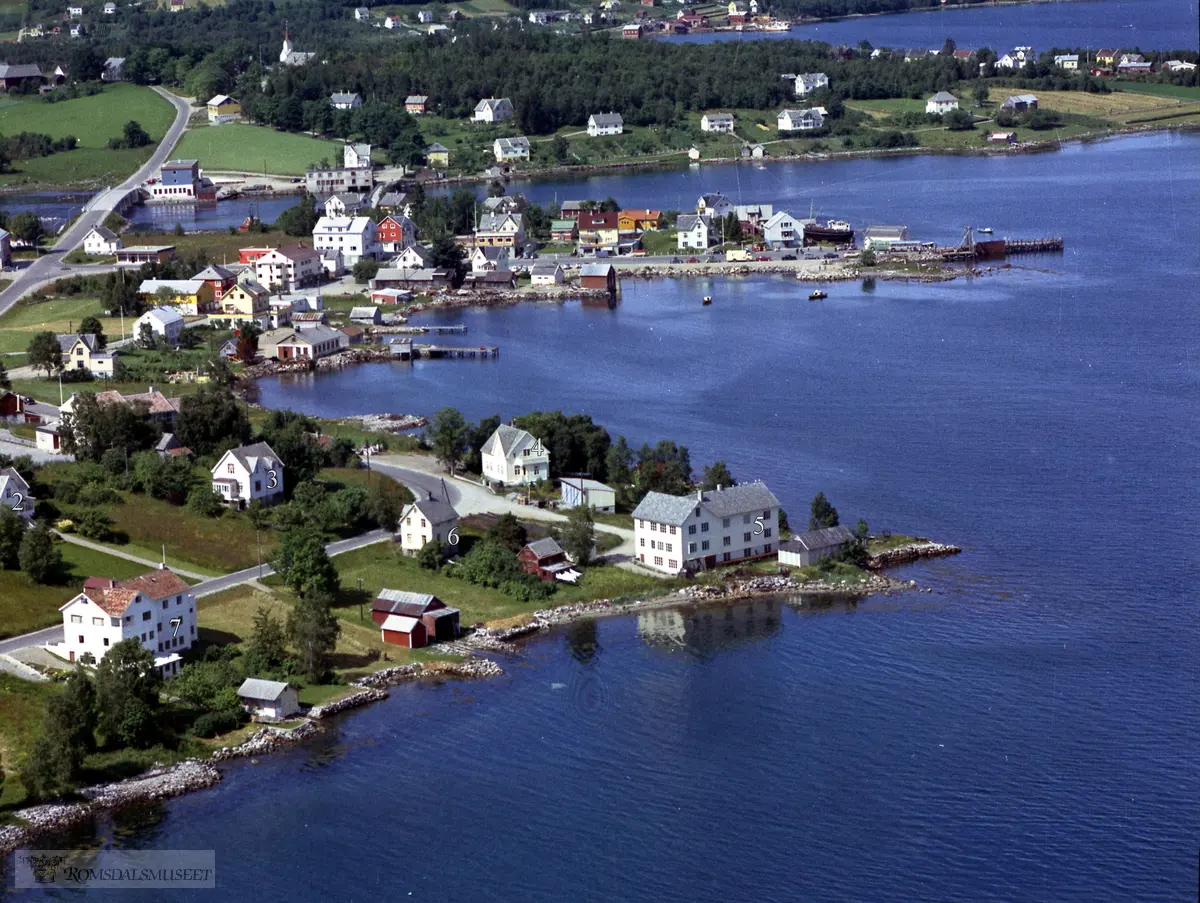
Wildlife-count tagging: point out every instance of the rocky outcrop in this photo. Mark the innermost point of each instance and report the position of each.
(389, 677)
(472, 668)
(267, 740)
(387, 423)
(353, 701)
(912, 551)
(157, 784)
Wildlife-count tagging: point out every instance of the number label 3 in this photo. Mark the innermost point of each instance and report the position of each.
(273, 479)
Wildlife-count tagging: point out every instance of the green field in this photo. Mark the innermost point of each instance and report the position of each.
(255, 148)
(25, 606)
(1182, 92)
(60, 316)
(22, 708)
(93, 120)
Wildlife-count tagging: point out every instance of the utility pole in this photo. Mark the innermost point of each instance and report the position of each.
(360, 599)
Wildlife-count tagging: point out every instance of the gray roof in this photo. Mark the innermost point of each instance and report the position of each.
(507, 437)
(544, 269)
(817, 540)
(596, 269)
(572, 205)
(745, 498)
(688, 221)
(215, 272)
(886, 231)
(491, 222)
(944, 97)
(257, 688)
(603, 120)
(585, 483)
(436, 148)
(544, 548)
(416, 98)
(719, 117)
(435, 510)
(364, 313)
(491, 252)
(20, 70)
(396, 274)
(341, 97)
(67, 342)
(711, 200)
(406, 598)
(103, 231)
(257, 450)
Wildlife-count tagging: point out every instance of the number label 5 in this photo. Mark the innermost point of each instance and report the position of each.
(758, 525)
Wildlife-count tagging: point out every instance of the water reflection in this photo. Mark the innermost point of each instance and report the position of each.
(708, 629)
(582, 642)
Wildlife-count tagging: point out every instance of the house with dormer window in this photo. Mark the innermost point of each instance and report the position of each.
(514, 457)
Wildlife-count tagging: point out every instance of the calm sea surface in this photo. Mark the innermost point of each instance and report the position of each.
(1026, 732)
(1087, 23)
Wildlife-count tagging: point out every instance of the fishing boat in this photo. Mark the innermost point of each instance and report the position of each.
(778, 25)
(984, 231)
(707, 300)
(830, 232)
(818, 295)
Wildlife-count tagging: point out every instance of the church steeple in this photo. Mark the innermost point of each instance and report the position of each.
(287, 46)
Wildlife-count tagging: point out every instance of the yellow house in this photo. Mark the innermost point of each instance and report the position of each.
(191, 296)
(438, 155)
(82, 352)
(245, 301)
(223, 108)
(639, 220)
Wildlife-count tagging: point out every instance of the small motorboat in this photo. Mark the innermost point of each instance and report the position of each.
(984, 231)
(707, 300)
(818, 295)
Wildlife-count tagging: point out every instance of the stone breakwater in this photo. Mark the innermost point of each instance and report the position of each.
(267, 740)
(386, 423)
(912, 551)
(157, 784)
(364, 696)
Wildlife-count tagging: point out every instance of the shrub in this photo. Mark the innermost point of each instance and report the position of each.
(212, 723)
(203, 501)
(95, 524)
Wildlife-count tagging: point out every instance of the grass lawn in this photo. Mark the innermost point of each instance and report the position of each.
(47, 389)
(208, 545)
(18, 326)
(256, 148)
(660, 241)
(613, 520)
(1181, 92)
(25, 606)
(889, 107)
(22, 708)
(887, 541)
(228, 617)
(93, 120)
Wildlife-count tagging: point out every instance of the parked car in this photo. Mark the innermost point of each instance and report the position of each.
(788, 257)
(762, 258)
(693, 260)
(676, 260)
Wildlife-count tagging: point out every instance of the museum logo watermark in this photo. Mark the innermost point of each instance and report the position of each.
(98, 869)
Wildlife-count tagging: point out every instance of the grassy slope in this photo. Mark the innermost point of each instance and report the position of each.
(47, 390)
(25, 606)
(239, 146)
(60, 315)
(22, 708)
(93, 120)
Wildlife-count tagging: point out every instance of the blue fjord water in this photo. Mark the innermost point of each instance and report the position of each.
(1025, 732)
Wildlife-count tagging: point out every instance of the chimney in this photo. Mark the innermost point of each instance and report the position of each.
(699, 495)
(150, 390)
(719, 487)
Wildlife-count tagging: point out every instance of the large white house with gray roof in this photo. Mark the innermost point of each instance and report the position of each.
(514, 457)
(675, 534)
(247, 473)
(605, 124)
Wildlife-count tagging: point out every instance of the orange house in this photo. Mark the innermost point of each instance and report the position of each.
(639, 220)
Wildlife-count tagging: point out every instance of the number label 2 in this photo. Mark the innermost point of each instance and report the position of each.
(19, 503)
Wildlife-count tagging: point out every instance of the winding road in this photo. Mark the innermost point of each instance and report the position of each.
(49, 266)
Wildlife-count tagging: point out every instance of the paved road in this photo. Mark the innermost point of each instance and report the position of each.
(49, 266)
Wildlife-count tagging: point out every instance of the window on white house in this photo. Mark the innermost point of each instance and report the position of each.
(725, 523)
(691, 529)
(704, 527)
(76, 619)
(704, 545)
(145, 616)
(745, 537)
(691, 547)
(726, 541)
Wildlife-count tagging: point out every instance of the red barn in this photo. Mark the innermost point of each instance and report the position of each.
(398, 630)
(11, 404)
(545, 559)
(437, 621)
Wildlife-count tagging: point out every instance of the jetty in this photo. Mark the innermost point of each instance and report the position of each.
(450, 329)
(454, 351)
(972, 249)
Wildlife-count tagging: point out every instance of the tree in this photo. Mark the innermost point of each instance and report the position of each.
(145, 336)
(90, 428)
(5, 379)
(432, 555)
(134, 135)
(95, 524)
(489, 564)
(867, 258)
(715, 475)
(86, 65)
(509, 531)
(301, 561)
(364, 271)
(203, 501)
(27, 227)
(168, 478)
(247, 342)
(127, 685)
(55, 761)
(560, 149)
(979, 92)
(299, 219)
(959, 121)
(288, 434)
(579, 535)
(39, 557)
(91, 326)
(314, 631)
(448, 437)
(211, 418)
(12, 531)
(618, 464)
(267, 647)
(445, 254)
(664, 468)
(823, 514)
(44, 352)
(385, 505)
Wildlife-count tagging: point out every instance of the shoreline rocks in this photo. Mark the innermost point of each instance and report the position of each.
(922, 548)
(266, 740)
(386, 423)
(354, 700)
(157, 784)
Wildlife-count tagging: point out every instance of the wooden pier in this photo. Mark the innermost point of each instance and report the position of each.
(993, 248)
(453, 351)
(455, 329)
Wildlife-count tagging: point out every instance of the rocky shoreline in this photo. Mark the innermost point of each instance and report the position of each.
(912, 551)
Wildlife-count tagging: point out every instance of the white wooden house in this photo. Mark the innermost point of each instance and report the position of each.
(101, 242)
(247, 473)
(493, 110)
(158, 609)
(941, 103)
(14, 494)
(268, 700)
(693, 232)
(164, 322)
(682, 533)
(513, 457)
(808, 548)
(426, 520)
